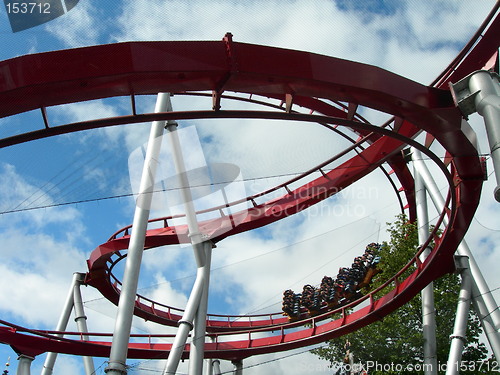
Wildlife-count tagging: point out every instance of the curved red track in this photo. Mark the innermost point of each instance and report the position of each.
(299, 79)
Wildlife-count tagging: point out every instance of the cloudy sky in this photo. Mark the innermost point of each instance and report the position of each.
(45, 235)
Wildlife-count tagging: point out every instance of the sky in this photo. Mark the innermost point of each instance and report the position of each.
(46, 235)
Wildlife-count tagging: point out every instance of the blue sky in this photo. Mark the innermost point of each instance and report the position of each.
(42, 247)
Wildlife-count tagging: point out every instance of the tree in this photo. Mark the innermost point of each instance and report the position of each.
(397, 339)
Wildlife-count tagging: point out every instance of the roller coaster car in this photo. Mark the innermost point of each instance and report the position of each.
(372, 271)
(291, 305)
(311, 299)
(329, 291)
(354, 296)
(350, 290)
(334, 293)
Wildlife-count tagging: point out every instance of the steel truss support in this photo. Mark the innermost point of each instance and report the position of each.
(482, 299)
(458, 337)
(196, 308)
(123, 323)
(73, 299)
(24, 365)
(428, 309)
(480, 92)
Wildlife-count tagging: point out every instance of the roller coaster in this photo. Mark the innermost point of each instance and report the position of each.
(334, 293)
(311, 89)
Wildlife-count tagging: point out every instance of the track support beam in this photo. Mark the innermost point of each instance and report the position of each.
(480, 92)
(50, 360)
(458, 337)
(81, 321)
(215, 367)
(238, 366)
(196, 306)
(482, 298)
(73, 299)
(24, 366)
(197, 351)
(123, 323)
(428, 309)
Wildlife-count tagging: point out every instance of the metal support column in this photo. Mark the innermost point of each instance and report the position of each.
(186, 323)
(62, 324)
(24, 365)
(216, 367)
(197, 350)
(428, 309)
(238, 367)
(480, 92)
(482, 299)
(123, 324)
(81, 321)
(458, 337)
(210, 366)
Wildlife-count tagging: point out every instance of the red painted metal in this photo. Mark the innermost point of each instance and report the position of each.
(39, 81)
(260, 215)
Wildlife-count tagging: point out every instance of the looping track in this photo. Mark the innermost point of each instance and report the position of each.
(314, 84)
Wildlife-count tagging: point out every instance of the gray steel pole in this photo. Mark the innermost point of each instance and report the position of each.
(486, 87)
(50, 360)
(123, 323)
(81, 322)
(180, 168)
(428, 309)
(210, 368)
(216, 367)
(238, 367)
(24, 365)
(482, 299)
(458, 337)
(186, 323)
(197, 351)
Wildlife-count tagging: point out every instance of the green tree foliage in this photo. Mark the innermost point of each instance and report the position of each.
(398, 339)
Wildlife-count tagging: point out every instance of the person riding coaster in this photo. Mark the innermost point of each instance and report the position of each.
(334, 293)
(311, 299)
(291, 304)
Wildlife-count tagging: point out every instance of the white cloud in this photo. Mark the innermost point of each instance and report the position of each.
(164, 293)
(79, 27)
(445, 22)
(17, 193)
(34, 258)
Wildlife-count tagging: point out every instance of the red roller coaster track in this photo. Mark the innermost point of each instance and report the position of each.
(302, 80)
